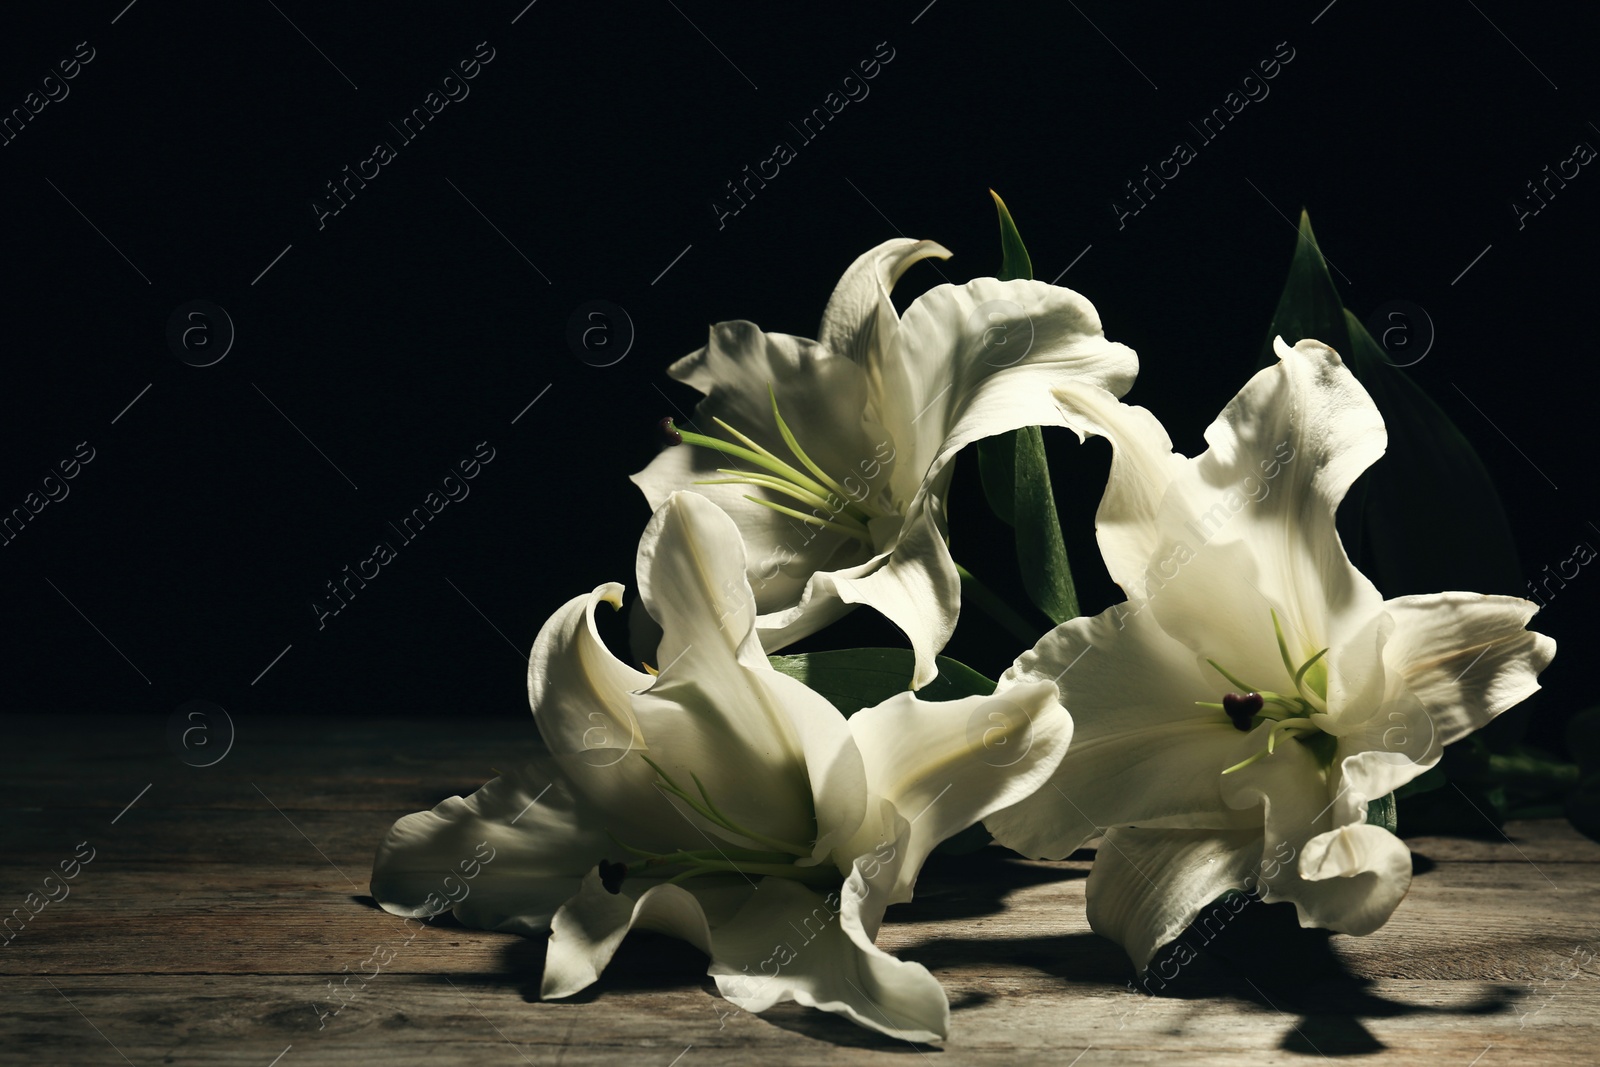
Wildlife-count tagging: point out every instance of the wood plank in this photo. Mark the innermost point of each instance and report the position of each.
(225, 900)
(1523, 841)
(157, 837)
(487, 1019)
(996, 917)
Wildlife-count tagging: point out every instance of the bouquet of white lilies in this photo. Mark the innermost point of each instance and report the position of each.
(1241, 722)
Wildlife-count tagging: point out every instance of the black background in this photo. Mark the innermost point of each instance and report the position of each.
(414, 324)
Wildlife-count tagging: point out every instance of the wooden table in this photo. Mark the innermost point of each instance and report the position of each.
(220, 902)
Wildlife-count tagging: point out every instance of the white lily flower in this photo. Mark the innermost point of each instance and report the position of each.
(834, 455)
(1236, 716)
(721, 801)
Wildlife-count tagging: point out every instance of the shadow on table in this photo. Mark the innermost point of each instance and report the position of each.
(1259, 955)
(953, 888)
(649, 963)
(837, 1030)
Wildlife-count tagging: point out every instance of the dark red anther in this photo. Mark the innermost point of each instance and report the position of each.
(1242, 709)
(611, 875)
(669, 432)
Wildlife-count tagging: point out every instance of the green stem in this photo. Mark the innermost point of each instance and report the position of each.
(997, 609)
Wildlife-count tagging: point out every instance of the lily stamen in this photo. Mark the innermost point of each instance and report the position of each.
(1284, 727)
(847, 514)
(1300, 674)
(772, 482)
(1290, 715)
(794, 446)
(854, 530)
(757, 455)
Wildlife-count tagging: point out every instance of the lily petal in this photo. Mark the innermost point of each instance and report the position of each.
(1281, 456)
(583, 703)
(823, 398)
(1139, 723)
(1311, 399)
(1345, 877)
(776, 942)
(502, 859)
(1288, 794)
(691, 568)
(718, 709)
(1466, 656)
(783, 552)
(1350, 879)
(1308, 420)
(1213, 602)
(1396, 745)
(860, 321)
(589, 929)
(1147, 886)
(916, 587)
(1143, 468)
(948, 382)
(580, 693)
(788, 943)
(948, 764)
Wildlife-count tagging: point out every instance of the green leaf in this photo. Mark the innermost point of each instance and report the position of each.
(856, 678)
(996, 455)
(1310, 305)
(1014, 261)
(1429, 479)
(1040, 551)
(1016, 476)
(1382, 812)
(1016, 482)
(997, 463)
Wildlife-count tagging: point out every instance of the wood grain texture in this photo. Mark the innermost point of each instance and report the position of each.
(226, 911)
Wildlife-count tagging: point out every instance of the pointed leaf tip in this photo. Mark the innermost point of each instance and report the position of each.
(1014, 261)
(1310, 305)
